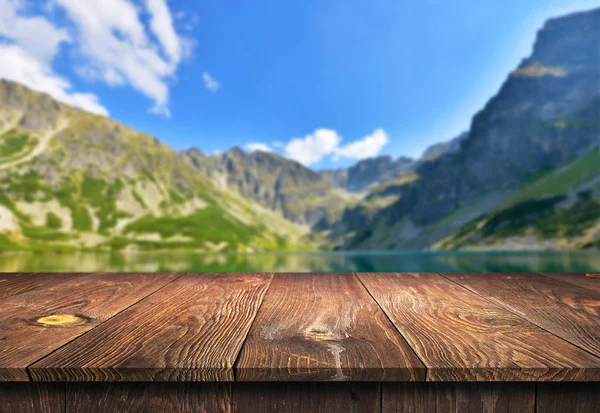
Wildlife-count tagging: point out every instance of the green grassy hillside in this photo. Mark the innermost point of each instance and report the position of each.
(557, 209)
(70, 180)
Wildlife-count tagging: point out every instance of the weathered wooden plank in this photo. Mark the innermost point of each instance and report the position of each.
(306, 397)
(460, 336)
(18, 283)
(148, 397)
(32, 397)
(35, 323)
(591, 281)
(458, 397)
(564, 309)
(192, 330)
(324, 327)
(299, 397)
(568, 398)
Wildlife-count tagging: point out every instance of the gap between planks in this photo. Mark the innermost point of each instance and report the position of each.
(511, 310)
(192, 330)
(589, 281)
(393, 291)
(506, 306)
(392, 323)
(324, 327)
(237, 356)
(27, 369)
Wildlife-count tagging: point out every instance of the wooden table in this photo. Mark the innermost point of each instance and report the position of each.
(259, 342)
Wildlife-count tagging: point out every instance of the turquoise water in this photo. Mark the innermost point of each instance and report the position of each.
(578, 261)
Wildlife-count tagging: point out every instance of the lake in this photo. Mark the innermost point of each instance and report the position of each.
(573, 261)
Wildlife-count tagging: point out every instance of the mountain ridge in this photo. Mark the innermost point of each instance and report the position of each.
(526, 175)
(98, 184)
(299, 194)
(546, 114)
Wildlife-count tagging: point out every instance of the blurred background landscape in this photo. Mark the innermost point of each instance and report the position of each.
(518, 189)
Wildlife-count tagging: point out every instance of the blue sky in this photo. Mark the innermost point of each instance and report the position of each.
(323, 82)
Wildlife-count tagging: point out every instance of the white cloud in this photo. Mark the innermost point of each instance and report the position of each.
(115, 47)
(368, 147)
(258, 146)
(313, 148)
(326, 142)
(35, 34)
(19, 66)
(28, 44)
(111, 78)
(163, 29)
(210, 83)
(278, 144)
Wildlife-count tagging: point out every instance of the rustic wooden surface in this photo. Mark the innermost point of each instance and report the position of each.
(191, 330)
(308, 327)
(461, 336)
(564, 309)
(585, 280)
(18, 283)
(458, 397)
(32, 397)
(305, 397)
(567, 397)
(324, 327)
(37, 322)
(148, 398)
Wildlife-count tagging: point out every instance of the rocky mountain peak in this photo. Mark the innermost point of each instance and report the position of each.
(545, 115)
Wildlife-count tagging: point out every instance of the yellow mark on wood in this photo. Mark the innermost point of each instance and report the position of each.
(59, 319)
(593, 275)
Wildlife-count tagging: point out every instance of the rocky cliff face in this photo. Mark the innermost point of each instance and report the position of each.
(368, 172)
(279, 184)
(443, 148)
(546, 114)
(366, 175)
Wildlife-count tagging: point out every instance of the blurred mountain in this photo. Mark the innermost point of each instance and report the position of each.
(444, 148)
(525, 176)
(279, 184)
(560, 209)
(74, 180)
(368, 172)
(545, 119)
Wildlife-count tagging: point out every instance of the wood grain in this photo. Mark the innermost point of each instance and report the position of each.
(407, 397)
(37, 322)
(324, 327)
(460, 336)
(148, 397)
(32, 397)
(562, 308)
(307, 397)
(18, 283)
(568, 398)
(458, 397)
(191, 330)
(321, 327)
(586, 280)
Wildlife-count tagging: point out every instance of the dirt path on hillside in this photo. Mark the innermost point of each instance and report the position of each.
(39, 148)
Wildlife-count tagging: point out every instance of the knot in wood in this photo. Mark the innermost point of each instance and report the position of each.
(60, 320)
